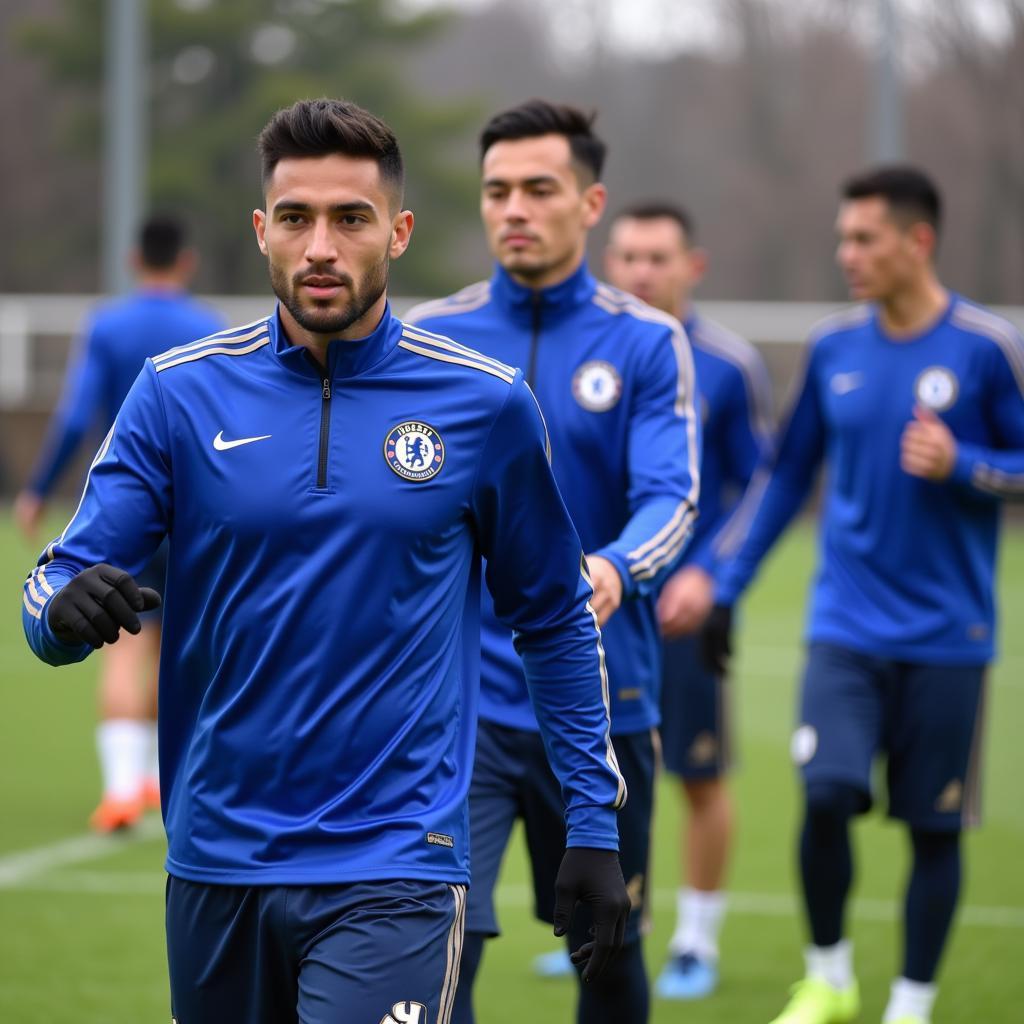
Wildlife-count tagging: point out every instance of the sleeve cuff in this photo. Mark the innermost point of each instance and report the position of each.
(593, 826)
(629, 588)
(963, 467)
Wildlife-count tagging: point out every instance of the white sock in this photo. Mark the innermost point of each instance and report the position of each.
(910, 999)
(833, 964)
(121, 743)
(698, 921)
(152, 763)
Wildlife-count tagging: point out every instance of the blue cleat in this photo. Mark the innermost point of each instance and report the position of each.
(687, 977)
(555, 964)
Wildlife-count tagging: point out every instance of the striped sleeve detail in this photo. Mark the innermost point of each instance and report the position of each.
(441, 341)
(996, 329)
(233, 336)
(737, 351)
(465, 300)
(610, 759)
(458, 359)
(652, 556)
(737, 527)
(453, 955)
(215, 350)
(36, 591)
(997, 482)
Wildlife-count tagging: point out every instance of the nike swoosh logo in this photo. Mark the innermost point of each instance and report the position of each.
(222, 446)
(843, 383)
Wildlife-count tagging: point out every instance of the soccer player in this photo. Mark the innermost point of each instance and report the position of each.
(329, 480)
(615, 381)
(913, 399)
(121, 335)
(652, 254)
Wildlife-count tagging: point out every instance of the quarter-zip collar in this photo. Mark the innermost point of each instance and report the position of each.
(560, 300)
(345, 358)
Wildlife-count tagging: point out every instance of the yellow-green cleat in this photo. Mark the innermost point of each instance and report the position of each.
(815, 1001)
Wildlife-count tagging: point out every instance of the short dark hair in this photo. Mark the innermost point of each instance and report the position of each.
(910, 193)
(539, 117)
(658, 209)
(161, 239)
(311, 128)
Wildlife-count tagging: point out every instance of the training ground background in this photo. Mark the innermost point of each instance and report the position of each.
(81, 917)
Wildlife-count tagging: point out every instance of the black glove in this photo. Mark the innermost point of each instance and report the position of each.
(96, 604)
(716, 639)
(592, 876)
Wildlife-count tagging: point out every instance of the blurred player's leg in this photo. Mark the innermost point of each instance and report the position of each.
(695, 744)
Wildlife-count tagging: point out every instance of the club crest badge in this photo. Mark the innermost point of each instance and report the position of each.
(414, 451)
(936, 388)
(596, 385)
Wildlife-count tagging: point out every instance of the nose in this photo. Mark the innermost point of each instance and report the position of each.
(515, 206)
(320, 247)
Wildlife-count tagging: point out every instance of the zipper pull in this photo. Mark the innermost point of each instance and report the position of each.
(327, 388)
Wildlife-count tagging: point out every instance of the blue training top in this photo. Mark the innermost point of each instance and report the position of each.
(318, 678)
(736, 411)
(119, 337)
(615, 380)
(906, 566)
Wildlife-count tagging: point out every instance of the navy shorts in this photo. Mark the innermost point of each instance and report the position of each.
(512, 779)
(363, 952)
(926, 719)
(154, 575)
(695, 733)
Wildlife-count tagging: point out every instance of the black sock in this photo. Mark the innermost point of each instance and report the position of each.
(472, 954)
(826, 861)
(931, 900)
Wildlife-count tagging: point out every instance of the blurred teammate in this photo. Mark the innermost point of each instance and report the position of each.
(651, 253)
(329, 480)
(121, 335)
(615, 381)
(914, 401)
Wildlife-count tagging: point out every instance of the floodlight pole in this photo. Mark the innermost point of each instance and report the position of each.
(886, 132)
(124, 133)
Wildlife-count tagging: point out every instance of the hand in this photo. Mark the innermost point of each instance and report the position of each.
(716, 639)
(592, 876)
(607, 587)
(28, 513)
(927, 447)
(685, 602)
(99, 602)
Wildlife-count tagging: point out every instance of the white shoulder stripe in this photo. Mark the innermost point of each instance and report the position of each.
(433, 353)
(429, 338)
(216, 351)
(213, 339)
(844, 319)
(464, 301)
(996, 329)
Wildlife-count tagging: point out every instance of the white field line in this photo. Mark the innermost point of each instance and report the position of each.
(23, 865)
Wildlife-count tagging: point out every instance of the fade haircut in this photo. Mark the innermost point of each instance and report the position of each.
(539, 117)
(161, 239)
(912, 196)
(662, 210)
(312, 128)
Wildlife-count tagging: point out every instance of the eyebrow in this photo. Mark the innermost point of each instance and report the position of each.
(295, 206)
(539, 179)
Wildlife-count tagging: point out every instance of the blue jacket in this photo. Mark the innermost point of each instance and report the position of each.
(906, 568)
(615, 381)
(318, 682)
(120, 336)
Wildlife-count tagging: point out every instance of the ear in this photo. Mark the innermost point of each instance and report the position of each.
(259, 223)
(698, 264)
(595, 199)
(401, 233)
(188, 264)
(924, 240)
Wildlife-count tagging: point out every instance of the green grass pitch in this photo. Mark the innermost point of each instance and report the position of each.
(81, 928)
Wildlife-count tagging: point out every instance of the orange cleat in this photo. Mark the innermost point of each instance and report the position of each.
(112, 814)
(151, 795)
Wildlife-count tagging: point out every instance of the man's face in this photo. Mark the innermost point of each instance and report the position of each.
(328, 234)
(535, 211)
(652, 259)
(877, 253)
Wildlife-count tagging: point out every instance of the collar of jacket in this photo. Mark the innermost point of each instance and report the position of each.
(559, 300)
(345, 358)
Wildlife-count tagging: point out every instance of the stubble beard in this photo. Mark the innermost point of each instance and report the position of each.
(318, 316)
